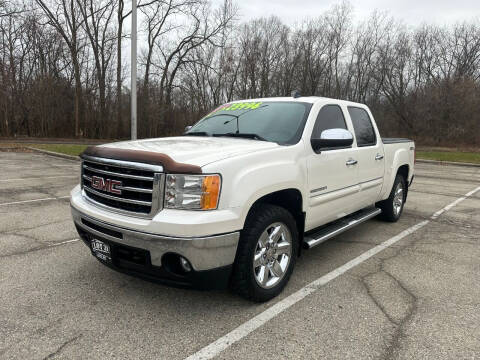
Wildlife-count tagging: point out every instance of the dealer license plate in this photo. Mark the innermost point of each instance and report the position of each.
(101, 250)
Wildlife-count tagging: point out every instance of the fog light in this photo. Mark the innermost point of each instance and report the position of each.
(185, 264)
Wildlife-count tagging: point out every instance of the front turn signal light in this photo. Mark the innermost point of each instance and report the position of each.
(210, 192)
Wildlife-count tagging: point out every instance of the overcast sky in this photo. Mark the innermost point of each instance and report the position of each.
(410, 11)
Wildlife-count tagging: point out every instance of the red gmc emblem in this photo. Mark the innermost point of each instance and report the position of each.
(107, 185)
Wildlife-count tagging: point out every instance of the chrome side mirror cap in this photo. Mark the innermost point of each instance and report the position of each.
(331, 139)
(187, 128)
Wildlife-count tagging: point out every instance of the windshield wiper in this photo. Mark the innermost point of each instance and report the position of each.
(238, 116)
(243, 135)
(197, 133)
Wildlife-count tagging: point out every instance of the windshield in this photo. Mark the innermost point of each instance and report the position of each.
(281, 122)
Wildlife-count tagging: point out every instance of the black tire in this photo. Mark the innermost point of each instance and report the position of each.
(243, 280)
(390, 210)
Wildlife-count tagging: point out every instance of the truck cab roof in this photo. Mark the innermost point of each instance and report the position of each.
(304, 99)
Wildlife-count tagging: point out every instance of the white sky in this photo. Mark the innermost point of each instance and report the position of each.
(412, 12)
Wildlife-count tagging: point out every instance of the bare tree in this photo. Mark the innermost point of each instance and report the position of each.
(171, 56)
(97, 16)
(6, 9)
(120, 19)
(338, 29)
(65, 17)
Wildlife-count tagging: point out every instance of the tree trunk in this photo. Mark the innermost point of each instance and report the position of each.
(78, 96)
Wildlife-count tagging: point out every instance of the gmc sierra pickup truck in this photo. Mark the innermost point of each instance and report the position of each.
(234, 200)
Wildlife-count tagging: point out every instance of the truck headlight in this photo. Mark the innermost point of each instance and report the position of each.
(192, 192)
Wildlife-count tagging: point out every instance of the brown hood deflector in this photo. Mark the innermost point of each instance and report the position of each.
(147, 157)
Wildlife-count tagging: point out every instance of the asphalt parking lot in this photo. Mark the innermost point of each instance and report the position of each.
(418, 298)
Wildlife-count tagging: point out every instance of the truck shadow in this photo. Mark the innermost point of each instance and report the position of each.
(310, 265)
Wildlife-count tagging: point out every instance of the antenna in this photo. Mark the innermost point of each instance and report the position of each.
(296, 94)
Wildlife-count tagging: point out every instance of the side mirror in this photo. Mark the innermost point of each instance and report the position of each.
(332, 139)
(187, 128)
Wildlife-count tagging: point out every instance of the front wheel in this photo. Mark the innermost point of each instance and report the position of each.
(266, 253)
(393, 206)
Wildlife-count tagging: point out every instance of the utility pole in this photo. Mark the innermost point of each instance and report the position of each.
(133, 131)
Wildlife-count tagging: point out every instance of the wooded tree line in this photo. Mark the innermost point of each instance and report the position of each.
(63, 74)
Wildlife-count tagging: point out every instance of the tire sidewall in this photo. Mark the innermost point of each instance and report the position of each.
(398, 179)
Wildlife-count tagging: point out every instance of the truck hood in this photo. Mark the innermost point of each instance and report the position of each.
(196, 150)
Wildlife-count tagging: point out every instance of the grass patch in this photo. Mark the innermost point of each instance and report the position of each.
(456, 156)
(67, 149)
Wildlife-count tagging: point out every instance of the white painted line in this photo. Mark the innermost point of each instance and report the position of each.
(472, 192)
(62, 164)
(221, 344)
(64, 242)
(42, 177)
(34, 200)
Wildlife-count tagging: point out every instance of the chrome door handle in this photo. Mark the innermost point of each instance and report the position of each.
(379, 157)
(351, 162)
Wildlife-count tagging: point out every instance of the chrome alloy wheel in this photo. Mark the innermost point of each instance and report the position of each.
(398, 199)
(272, 255)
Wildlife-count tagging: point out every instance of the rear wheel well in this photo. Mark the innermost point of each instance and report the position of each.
(403, 170)
(291, 200)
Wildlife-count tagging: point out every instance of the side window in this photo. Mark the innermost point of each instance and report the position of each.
(362, 125)
(329, 117)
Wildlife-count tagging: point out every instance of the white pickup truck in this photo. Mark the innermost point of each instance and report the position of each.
(234, 200)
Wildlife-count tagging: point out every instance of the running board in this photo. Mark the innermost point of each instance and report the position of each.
(338, 227)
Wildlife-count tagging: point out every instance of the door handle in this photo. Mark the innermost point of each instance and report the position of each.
(379, 157)
(351, 162)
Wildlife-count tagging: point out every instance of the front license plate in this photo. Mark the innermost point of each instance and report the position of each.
(101, 250)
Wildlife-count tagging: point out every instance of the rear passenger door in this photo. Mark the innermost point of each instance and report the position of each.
(370, 156)
(332, 174)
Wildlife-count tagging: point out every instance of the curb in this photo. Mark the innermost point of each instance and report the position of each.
(51, 153)
(437, 162)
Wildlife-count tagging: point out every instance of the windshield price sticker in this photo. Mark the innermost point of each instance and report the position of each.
(241, 106)
(237, 106)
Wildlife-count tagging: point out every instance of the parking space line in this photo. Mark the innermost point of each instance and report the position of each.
(41, 177)
(224, 342)
(64, 242)
(34, 200)
(449, 206)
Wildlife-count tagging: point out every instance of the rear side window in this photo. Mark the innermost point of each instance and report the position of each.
(329, 117)
(363, 127)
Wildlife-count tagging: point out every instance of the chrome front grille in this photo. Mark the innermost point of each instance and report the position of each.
(122, 186)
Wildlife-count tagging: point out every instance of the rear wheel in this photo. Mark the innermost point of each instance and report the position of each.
(393, 206)
(266, 253)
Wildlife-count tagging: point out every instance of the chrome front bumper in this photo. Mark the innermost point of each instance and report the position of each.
(204, 253)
